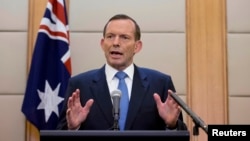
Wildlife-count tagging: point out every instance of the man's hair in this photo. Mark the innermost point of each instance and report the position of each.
(124, 17)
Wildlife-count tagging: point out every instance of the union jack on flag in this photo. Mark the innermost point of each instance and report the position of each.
(50, 69)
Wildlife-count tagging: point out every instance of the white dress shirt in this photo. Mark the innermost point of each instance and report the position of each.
(113, 81)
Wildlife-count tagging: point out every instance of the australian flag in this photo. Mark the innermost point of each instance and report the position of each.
(50, 68)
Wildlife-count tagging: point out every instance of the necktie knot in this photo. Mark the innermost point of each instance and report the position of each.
(121, 75)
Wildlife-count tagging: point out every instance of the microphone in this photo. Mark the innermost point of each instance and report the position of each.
(116, 95)
(197, 120)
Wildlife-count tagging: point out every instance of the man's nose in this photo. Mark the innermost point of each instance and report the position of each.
(116, 41)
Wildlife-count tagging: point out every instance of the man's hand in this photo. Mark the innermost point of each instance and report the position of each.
(168, 110)
(76, 114)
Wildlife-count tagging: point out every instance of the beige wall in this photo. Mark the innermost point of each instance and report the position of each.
(239, 61)
(163, 34)
(13, 58)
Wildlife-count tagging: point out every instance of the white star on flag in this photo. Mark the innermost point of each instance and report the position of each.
(49, 100)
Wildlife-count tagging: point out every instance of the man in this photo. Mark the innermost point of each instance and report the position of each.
(88, 102)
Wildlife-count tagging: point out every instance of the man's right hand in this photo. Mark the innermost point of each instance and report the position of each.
(76, 114)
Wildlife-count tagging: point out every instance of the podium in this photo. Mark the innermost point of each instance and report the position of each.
(110, 135)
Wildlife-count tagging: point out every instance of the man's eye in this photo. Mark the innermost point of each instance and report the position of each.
(124, 37)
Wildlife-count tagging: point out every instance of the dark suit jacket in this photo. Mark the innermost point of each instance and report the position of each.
(142, 112)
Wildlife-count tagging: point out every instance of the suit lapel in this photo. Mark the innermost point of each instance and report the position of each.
(102, 96)
(139, 88)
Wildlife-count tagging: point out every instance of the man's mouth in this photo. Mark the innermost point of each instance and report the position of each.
(115, 53)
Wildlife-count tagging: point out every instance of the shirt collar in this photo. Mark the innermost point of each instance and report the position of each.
(110, 72)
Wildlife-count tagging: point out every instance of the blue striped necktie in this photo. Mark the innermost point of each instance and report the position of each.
(124, 98)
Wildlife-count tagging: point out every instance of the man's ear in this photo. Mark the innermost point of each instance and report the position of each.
(138, 46)
(101, 43)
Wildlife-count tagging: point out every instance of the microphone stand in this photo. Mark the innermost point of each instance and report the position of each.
(198, 123)
(196, 119)
(116, 125)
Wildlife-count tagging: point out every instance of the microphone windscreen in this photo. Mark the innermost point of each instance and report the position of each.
(116, 93)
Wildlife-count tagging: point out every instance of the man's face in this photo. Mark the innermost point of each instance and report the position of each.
(119, 43)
